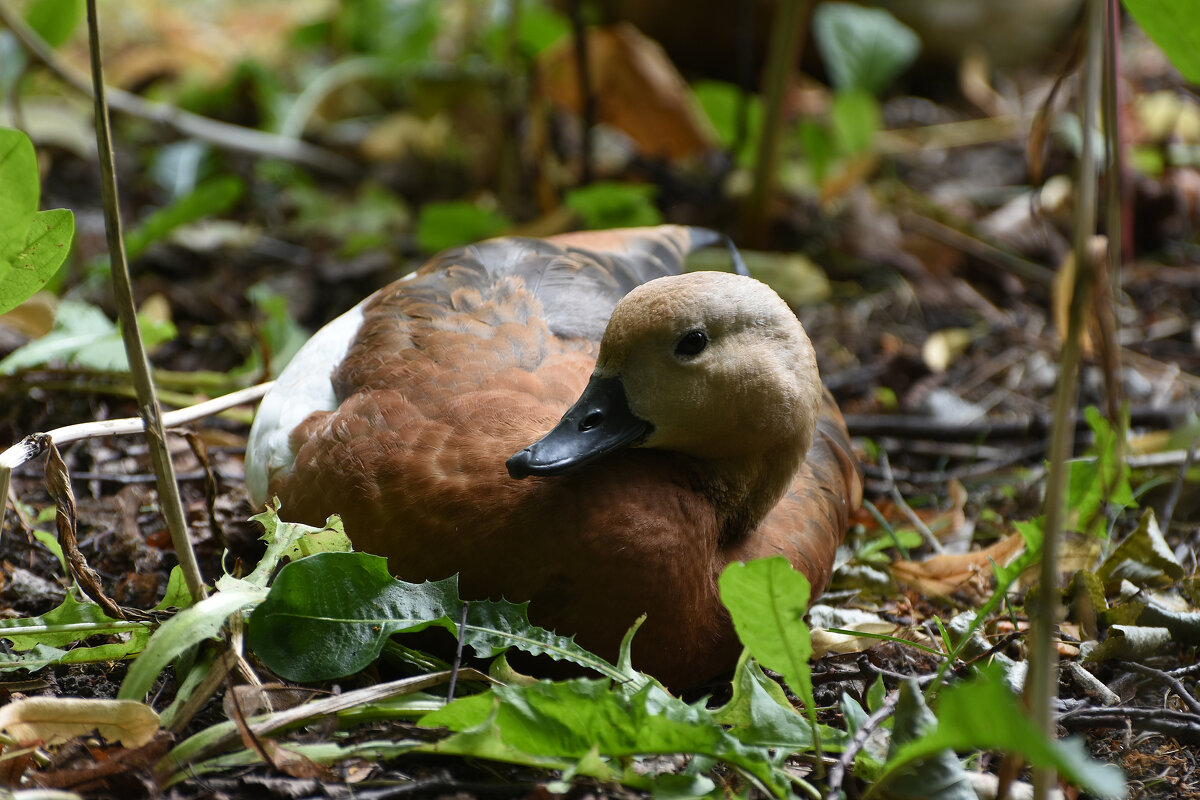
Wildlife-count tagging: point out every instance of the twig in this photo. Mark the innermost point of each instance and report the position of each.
(458, 651)
(787, 36)
(59, 487)
(1177, 486)
(139, 366)
(837, 773)
(1176, 685)
(917, 426)
(1179, 725)
(32, 446)
(978, 248)
(222, 134)
(587, 98)
(905, 508)
(1043, 670)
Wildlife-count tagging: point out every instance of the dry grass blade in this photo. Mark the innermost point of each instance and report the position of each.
(58, 484)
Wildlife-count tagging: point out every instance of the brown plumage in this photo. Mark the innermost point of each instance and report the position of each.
(453, 371)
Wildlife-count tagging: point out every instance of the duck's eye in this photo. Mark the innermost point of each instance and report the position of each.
(691, 343)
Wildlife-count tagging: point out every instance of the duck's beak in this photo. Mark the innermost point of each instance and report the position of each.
(599, 423)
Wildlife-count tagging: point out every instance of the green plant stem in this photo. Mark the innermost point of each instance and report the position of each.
(1043, 670)
(148, 408)
(791, 18)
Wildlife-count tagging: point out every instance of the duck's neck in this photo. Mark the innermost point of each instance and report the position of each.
(744, 490)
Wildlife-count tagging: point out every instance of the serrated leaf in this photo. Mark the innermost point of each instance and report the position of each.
(863, 48)
(19, 200)
(581, 718)
(47, 243)
(306, 635)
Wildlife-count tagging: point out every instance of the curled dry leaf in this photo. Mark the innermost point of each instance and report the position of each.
(943, 575)
(59, 719)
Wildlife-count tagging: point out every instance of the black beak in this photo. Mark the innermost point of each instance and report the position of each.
(599, 423)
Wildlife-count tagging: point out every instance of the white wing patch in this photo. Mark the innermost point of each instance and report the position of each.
(304, 386)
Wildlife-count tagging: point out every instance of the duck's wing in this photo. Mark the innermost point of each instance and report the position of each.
(577, 277)
(810, 522)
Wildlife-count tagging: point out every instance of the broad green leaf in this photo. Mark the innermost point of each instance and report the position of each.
(767, 600)
(984, 714)
(21, 190)
(938, 776)
(1175, 27)
(578, 718)
(309, 635)
(70, 622)
(444, 225)
(863, 48)
(83, 336)
(54, 20)
(614, 205)
(48, 241)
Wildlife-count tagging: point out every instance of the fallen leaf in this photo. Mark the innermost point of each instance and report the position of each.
(943, 575)
(60, 719)
(636, 90)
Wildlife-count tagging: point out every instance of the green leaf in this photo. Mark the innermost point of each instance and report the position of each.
(187, 628)
(723, 103)
(614, 205)
(212, 197)
(856, 118)
(582, 719)
(50, 638)
(54, 20)
(863, 48)
(307, 635)
(984, 714)
(83, 336)
(767, 600)
(47, 243)
(1175, 27)
(444, 225)
(818, 149)
(759, 713)
(939, 775)
(19, 198)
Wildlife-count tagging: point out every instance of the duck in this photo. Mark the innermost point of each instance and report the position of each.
(575, 422)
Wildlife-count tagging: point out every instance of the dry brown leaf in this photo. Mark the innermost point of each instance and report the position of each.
(60, 719)
(943, 575)
(636, 89)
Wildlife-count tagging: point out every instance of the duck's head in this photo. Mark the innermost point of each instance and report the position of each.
(711, 365)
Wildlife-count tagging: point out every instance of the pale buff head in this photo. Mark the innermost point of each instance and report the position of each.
(717, 364)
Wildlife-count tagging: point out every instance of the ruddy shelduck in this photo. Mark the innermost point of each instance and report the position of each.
(569, 421)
